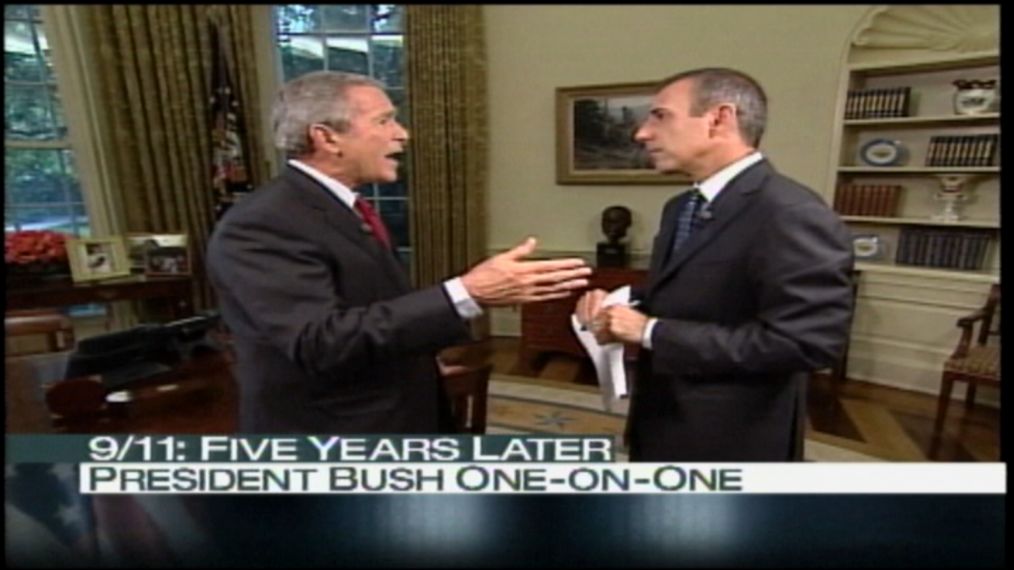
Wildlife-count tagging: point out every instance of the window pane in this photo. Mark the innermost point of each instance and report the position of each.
(298, 18)
(71, 179)
(395, 215)
(345, 18)
(368, 191)
(340, 37)
(21, 61)
(300, 55)
(386, 17)
(81, 226)
(348, 54)
(400, 102)
(56, 106)
(41, 189)
(388, 60)
(47, 58)
(35, 176)
(16, 11)
(405, 257)
(55, 218)
(394, 189)
(27, 113)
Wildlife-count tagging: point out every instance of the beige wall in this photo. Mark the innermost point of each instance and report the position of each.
(795, 52)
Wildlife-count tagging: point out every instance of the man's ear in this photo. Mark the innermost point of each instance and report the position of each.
(325, 138)
(726, 115)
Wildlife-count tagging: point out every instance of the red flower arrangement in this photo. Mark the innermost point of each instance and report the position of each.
(31, 247)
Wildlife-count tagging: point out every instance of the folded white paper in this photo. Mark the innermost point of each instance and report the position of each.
(607, 359)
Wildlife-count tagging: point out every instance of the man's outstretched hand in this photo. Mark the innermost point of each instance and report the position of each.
(509, 279)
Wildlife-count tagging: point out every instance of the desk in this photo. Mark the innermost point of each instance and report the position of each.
(199, 396)
(174, 289)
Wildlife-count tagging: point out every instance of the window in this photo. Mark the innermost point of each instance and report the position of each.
(42, 190)
(358, 38)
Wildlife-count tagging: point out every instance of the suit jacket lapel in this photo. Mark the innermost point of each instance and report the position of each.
(663, 245)
(730, 204)
(346, 222)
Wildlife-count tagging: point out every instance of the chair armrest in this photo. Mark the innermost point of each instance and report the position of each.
(971, 318)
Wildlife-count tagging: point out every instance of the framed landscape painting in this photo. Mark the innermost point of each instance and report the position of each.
(595, 135)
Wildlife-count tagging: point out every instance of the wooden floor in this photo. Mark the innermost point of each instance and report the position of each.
(884, 422)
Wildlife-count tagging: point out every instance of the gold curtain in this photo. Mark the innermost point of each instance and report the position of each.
(446, 77)
(154, 65)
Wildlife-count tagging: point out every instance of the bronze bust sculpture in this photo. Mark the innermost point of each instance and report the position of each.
(615, 222)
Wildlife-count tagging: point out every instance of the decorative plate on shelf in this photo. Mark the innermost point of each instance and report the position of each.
(883, 152)
(869, 246)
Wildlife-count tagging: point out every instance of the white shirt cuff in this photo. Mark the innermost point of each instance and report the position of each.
(463, 302)
(648, 328)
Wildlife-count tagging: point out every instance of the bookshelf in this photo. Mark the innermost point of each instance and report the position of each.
(897, 123)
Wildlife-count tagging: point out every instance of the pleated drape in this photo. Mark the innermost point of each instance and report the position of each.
(446, 75)
(154, 70)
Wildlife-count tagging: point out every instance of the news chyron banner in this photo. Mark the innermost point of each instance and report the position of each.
(494, 464)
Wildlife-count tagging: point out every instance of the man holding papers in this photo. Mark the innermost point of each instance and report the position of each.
(748, 290)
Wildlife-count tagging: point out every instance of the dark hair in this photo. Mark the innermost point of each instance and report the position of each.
(714, 85)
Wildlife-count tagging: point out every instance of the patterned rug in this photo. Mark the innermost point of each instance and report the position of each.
(519, 405)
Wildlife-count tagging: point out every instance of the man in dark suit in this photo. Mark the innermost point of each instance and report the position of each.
(748, 289)
(328, 333)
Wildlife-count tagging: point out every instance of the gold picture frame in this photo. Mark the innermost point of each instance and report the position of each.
(595, 126)
(93, 259)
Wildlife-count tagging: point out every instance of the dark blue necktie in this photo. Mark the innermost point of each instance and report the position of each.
(688, 221)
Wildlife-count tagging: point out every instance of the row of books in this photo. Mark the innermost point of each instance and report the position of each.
(950, 249)
(867, 200)
(968, 150)
(877, 103)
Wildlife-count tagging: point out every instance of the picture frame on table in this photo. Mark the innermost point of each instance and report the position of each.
(93, 259)
(170, 255)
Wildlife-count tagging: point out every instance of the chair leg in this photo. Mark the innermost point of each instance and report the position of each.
(970, 396)
(946, 385)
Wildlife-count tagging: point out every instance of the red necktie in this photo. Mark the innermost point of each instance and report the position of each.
(373, 220)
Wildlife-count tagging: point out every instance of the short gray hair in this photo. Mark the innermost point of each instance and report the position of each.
(317, 97)
(714, 85)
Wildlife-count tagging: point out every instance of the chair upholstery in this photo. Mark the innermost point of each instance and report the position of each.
(56, 327)
(468, 390)
(973, 363)
(30, 371)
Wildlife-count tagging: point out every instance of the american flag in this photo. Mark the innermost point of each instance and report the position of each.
(230, 175)
(50, 524)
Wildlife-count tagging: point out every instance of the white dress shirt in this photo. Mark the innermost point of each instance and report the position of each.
(463, 302)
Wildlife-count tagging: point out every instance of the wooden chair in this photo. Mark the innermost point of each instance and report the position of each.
(468, 391)
(29, 370)
(974, 364)
(54, 326)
